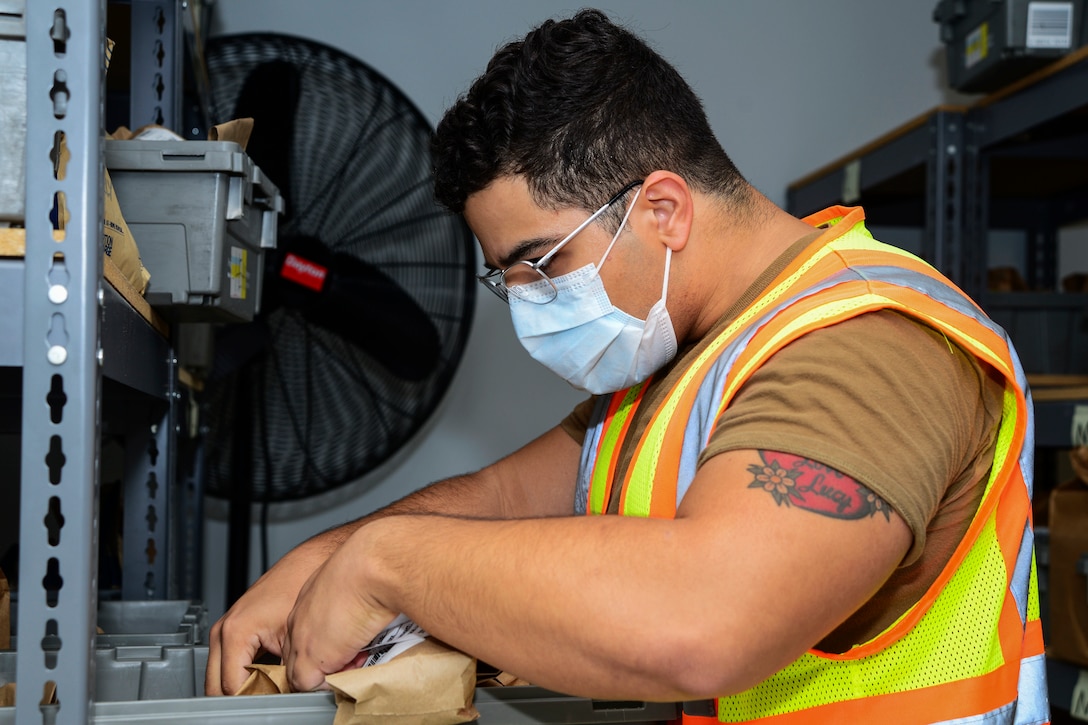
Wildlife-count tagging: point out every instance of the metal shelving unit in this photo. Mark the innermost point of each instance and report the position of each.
(1027, 169)
(910, 177)
(1017, 159)
(93, 365)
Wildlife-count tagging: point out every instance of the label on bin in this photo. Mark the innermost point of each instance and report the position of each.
(304, 272)
(238, 259)
(976, 45)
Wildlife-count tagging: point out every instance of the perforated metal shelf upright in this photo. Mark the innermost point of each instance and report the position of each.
(62, 358)
(87, 355)
(910, 177)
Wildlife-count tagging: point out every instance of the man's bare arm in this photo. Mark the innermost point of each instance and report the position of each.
(537, 480)
(734, 588)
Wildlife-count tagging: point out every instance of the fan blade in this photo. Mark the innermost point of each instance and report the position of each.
(237, 346)
(270, 96)
(366, 306)
(357, 301)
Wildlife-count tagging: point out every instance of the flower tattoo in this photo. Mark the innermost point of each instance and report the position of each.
(775, 480)
(807, 484)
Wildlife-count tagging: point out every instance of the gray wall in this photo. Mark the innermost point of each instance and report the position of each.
(789, 85)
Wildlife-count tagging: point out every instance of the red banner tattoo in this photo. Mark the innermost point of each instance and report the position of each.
(810, 485)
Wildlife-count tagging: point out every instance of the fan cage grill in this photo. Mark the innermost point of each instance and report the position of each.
(312, 411)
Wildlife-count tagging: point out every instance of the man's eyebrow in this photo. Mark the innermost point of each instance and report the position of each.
(527, 250)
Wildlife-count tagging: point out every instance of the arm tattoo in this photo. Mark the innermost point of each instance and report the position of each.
(804, 483)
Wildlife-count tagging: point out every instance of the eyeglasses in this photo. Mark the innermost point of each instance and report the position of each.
(526, 279)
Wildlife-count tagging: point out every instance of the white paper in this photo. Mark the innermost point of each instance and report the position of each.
(401, 635)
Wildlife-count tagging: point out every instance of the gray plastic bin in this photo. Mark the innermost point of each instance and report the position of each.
(129, 674)
(202, 214)
(160, 622)
(12, 110)
(157, 622)
(497, 706)
(1047, 328)
(166, 685)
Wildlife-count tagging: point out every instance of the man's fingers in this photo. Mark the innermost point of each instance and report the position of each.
(228, 655)
(302, 673)
(212, 682)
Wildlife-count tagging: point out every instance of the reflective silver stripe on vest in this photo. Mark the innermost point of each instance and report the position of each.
(1021, 573)
(1031, 708)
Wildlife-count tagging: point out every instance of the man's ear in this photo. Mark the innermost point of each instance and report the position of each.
(671, 205)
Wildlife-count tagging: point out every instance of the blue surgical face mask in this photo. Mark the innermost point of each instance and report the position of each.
(589, 342)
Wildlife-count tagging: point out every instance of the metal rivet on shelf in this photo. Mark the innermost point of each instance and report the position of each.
(58, 294)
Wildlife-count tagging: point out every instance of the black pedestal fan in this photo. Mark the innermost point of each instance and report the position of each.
(368, 298)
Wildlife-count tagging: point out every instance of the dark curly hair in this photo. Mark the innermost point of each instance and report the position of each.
(580, 107)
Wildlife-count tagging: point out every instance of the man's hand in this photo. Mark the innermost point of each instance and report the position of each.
(334, 617)
(537, 480)
(258, 621)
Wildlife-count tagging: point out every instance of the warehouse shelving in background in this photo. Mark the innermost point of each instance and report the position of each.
(945, 183)
(956, 184)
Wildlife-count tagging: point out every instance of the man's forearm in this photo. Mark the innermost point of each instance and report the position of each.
(537, 480)
(468, 496)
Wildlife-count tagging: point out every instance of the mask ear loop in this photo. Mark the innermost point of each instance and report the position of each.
(619, 231)
(665, 282)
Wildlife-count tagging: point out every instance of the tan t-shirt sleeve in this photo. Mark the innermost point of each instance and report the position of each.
(577, 422)
(884, 399)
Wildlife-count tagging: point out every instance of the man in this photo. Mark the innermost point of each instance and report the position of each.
(813, 441)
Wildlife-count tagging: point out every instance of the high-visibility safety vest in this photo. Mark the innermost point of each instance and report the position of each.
(971, 650)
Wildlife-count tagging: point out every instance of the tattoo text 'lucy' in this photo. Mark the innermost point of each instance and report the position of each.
(807, 484)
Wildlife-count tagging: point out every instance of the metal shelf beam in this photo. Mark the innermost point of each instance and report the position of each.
(135, 354)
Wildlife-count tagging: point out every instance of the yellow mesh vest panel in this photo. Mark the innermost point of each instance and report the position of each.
(932, 653)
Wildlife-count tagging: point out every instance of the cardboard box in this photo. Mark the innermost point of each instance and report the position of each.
(1066, 573)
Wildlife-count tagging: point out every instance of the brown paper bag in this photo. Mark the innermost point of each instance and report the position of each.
(7, 694)
(1068, 587)
(117, 241)
(265, 680)
(429, 684)
(238, 131)
(503, 679)
(491, 676)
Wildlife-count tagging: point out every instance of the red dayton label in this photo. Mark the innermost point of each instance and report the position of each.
(304, 272)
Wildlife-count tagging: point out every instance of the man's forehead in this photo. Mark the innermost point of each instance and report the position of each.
(510, 190)
(507, 220)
